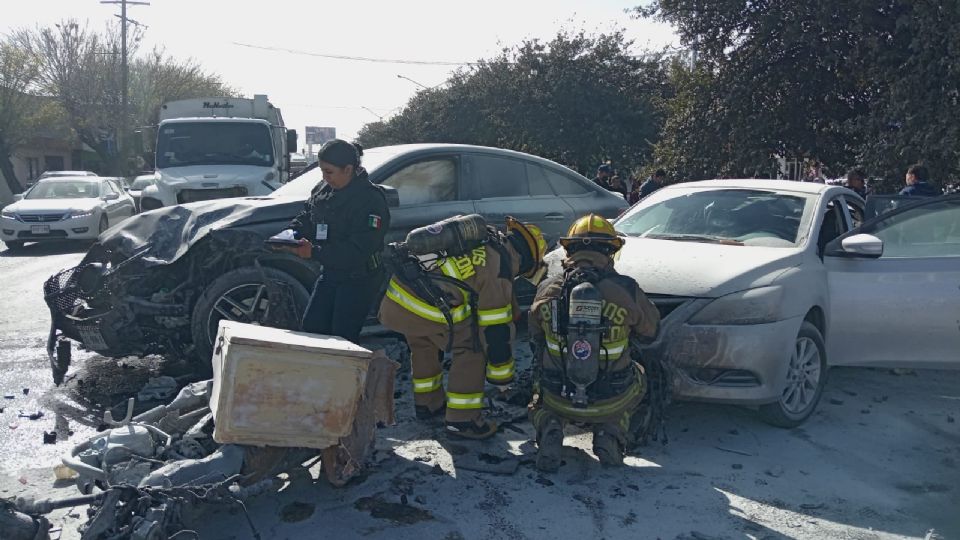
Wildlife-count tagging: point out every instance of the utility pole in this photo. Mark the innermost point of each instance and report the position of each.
(124, 71)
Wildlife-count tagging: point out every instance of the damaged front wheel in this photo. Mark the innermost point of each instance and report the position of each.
(243, 295)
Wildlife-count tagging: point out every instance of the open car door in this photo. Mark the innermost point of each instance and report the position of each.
(894, 286)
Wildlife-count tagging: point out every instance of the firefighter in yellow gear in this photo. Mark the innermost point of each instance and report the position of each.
(584, 370)
(482, 335)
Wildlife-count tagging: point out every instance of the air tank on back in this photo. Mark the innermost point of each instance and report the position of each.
(453, 236)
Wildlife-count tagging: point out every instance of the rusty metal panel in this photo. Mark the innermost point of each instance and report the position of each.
(275, 387)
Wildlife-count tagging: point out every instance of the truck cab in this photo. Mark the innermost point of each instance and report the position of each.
(217, 148)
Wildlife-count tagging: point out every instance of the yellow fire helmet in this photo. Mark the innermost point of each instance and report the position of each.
(533, 237)
(592, 230)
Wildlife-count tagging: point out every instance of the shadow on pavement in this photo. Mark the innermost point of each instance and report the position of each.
(39, 249)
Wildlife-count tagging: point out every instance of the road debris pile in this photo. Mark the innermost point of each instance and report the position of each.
(274, 403)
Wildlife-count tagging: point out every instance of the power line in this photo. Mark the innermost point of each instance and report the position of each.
(356, 58)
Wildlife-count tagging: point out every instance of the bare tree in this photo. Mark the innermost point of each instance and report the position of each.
(82, 69)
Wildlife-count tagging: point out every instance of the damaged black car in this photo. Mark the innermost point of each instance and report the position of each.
(161, 282)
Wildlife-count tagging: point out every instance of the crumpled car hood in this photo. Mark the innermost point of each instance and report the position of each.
(171, 231)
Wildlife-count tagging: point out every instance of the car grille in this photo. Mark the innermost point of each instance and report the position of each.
(40, 218)
(24, 235)
(667, 304)
(729, 378)
(194, 195)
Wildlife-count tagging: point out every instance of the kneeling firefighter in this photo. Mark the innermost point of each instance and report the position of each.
(452, 292)
(582, 323)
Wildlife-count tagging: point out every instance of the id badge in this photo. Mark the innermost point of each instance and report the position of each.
(321, 231)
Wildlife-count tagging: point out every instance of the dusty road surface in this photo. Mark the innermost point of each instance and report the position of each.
(879, 459)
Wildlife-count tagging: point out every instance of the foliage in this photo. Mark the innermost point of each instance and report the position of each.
(577, 99)
(18, 76)
(871, 83)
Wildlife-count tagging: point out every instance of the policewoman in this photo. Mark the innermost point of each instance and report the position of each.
(342, 226)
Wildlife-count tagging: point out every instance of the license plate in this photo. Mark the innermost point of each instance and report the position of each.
(40, 229)
(92, 339)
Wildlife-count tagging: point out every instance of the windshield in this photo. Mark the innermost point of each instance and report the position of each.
(141, 183)
(303, 184)
(214, 143)
(64, 190)
(728, 216)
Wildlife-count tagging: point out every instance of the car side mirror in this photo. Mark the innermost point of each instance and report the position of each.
(858, 245)
(291, 140)
(111, 197)
(392, 195)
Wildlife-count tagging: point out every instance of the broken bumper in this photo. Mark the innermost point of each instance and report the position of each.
(736, 364)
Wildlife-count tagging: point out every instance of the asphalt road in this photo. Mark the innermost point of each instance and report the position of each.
(879, 460)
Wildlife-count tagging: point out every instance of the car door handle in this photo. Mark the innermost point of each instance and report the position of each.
(555, 216)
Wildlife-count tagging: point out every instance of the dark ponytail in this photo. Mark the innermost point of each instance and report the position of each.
(340, 153)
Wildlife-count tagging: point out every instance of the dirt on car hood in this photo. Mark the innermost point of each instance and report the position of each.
(699, 269)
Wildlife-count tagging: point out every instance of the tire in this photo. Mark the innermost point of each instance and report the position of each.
(237, 289)
(806, 378)
(104, 225)
(14, 245)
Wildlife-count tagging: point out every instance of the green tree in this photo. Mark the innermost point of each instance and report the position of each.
(577, 99)
(849, 82)
(18, 76)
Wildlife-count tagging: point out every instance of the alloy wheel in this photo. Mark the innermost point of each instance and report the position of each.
(803, 377)
(246, 303)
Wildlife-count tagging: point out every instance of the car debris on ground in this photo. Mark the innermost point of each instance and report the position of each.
(147, 476)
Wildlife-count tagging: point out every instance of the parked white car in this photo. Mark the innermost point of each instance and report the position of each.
(763, 284)
(65, 208)
(58, 174)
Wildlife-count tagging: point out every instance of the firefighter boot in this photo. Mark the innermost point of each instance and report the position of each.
(472, 429)
(607, 447)
(549, 446)
(425, 415)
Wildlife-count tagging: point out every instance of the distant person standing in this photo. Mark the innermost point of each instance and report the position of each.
(604, 173)
(815, 174)
(917, 185)
(857, 182)
(653, 183)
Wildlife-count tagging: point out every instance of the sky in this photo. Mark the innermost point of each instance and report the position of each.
(345, 94)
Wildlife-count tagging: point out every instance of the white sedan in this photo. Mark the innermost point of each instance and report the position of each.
(763, 284)
(70, 208)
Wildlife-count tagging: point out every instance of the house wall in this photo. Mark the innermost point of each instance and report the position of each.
(32, 159)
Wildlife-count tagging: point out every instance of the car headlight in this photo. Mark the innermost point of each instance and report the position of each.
(81, 213)
(752, 306)
(9, 214)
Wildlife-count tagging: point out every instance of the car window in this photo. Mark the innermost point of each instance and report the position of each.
(64, 190)
(856, 212)
(108, 189)
(749, 216)
(500, 177)
(932, 230)
(429, 181)
(372, 160)
(141, 183)
(539, 185)
(564, 185)
(834, 224)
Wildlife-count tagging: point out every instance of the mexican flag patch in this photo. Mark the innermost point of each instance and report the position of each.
(374, 221)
